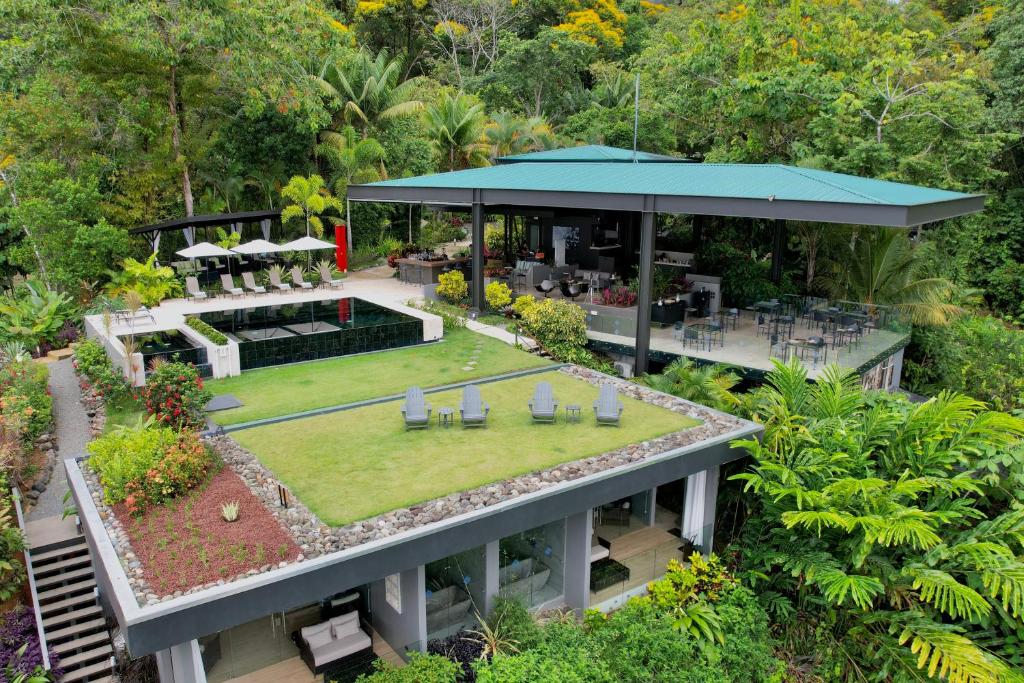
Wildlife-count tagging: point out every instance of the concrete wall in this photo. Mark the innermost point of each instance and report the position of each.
(115, 350)
(405, 630)
(224, 360)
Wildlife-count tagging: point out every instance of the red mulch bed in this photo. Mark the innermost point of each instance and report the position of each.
(187, 543)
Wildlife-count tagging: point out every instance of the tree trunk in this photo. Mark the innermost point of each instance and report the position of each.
(9, 182)
(177, 129)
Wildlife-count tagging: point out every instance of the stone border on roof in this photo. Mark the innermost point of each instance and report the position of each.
(315, 538)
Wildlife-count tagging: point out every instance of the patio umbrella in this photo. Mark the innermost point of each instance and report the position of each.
(205, 250)
(257, 247)
(306, 244)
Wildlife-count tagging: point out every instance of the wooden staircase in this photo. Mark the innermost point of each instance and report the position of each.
(72, 617)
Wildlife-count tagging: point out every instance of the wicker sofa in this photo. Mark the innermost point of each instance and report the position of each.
(324, 645)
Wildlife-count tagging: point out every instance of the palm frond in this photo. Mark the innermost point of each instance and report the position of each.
(837, 586)
(946, 594)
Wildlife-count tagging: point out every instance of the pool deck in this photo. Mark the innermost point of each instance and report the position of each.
(171, 313)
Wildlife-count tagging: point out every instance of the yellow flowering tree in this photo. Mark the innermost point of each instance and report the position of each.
(597, 22)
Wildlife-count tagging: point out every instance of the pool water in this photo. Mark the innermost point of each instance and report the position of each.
(170, 345)
(276, 335)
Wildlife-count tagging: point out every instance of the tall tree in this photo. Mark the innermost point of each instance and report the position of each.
(370, 90)
(455, 126)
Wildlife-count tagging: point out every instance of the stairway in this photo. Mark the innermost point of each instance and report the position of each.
(72, 617)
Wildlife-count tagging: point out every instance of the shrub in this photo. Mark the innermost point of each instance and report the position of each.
(420, 669)
(20, 652)
(578, 355)
(206, 330)
(175, 396)
(12, 542)
(554, 321)
(498, 295)
(92, 361)
(151, 282)
(618, 296)
(523, 304)
(452, 286)
(149, 466)
(25, 398)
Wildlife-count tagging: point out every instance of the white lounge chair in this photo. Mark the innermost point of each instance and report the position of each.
(250, 284)
(228, 285)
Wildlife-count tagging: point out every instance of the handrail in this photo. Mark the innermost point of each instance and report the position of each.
(36, 610)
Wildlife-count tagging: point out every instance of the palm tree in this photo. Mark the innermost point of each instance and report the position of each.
(455, 126)
(882, 266)
(710, 385)
(369, 89)
(352, 160)
(309, 199)
(510, 134)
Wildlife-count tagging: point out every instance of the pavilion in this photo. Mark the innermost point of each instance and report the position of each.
(641, 185)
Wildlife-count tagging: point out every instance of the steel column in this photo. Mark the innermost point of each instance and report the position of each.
(778, 246)
(643, 300)
(477, 285)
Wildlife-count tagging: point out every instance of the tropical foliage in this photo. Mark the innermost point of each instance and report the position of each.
(309, 200)
(152, 283)
(708, 384)
(887, 531)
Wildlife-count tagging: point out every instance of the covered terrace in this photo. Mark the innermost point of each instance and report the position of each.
(589, 215)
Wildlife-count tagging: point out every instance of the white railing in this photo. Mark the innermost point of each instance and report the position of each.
(37, 612)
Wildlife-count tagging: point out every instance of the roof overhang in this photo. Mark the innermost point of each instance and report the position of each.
(207, 220)
(890, 215)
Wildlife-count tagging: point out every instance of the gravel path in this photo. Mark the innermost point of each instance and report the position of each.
(72, 435)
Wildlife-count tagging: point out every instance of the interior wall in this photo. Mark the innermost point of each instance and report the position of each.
(406, 630)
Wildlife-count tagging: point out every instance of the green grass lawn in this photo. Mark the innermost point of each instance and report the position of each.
(358, 463)
(123, 413)
(294, 388)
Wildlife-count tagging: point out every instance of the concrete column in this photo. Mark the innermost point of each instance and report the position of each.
(778, 246)
(643, 300)
(651, 516)
(578, 533)
(181, 663)
(477, 285)
(491, 561)
(710, 507)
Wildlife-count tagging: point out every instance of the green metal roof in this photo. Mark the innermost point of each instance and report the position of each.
(772, 191)
(746, 181)
(591, 153)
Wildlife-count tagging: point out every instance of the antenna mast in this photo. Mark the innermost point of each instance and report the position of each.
(636, 113)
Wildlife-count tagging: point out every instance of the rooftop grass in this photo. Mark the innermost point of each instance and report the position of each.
(358, 463)
(288, 389)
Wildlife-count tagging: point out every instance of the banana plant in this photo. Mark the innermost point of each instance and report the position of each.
(33, 315)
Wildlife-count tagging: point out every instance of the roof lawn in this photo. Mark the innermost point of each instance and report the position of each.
(358, 463)
(288, 389)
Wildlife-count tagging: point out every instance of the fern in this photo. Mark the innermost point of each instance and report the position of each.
(946, 594)
(944, 653)
(837, 585)
(816, 519)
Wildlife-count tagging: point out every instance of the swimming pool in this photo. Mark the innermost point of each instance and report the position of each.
(275, 335)
(170, 345)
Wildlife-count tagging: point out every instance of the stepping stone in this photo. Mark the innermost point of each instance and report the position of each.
(472, 362)
(222, 402)
(467, 368)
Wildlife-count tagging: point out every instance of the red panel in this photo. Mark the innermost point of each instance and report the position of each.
(341, 248)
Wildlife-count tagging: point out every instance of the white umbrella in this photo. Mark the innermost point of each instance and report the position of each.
(306, 243)
(204, 250)
(257, 247)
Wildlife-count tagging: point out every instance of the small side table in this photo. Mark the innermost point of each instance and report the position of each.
(446, 417)
(572, 412)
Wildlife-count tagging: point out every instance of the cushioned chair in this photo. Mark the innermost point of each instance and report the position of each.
(299, 280)
(323, 646)
(192, 288)
(250, 284)
(546, 287)
(228, 285)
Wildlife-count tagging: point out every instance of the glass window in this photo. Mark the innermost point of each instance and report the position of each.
(255, 645)
(531, 565)
(455, 588)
